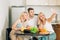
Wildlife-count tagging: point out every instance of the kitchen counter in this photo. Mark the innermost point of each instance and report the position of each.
(55, 23)
(56, 27)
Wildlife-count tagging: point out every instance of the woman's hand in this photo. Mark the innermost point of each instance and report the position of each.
(28, 27)
(52, 16)
(18, 28)
(22, 28)
(14, 29)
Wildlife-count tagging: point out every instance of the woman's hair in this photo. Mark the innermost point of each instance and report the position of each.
(22, 14)
(40, 13)
(40, 21)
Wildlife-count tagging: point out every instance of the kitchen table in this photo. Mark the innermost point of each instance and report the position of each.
(32, 35)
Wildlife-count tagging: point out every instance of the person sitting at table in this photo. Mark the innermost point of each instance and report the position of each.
(32, 18)
(45, 23)
(32, 22)
(16, 27)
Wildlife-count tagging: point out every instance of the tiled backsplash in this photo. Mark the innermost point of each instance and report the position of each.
(47, 10)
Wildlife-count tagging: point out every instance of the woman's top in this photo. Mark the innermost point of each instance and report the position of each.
(21, 24)
(48, 27)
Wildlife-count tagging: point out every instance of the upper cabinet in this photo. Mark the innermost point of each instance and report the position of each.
(58, 2)
(33, 2)
(16, 2)
(36, 2)
(52, 2)
(42, 2)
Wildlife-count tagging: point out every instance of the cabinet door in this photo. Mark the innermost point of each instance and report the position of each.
(58, 2)
(33, 2)
(16, 2)
(43, 2)
(57, 31)
(36, 2)
(52, 2)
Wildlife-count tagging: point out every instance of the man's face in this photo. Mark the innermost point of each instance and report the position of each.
(31, 13)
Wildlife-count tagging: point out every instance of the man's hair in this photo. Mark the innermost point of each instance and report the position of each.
(30, 9)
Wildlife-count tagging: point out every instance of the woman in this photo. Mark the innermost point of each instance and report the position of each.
(46, 24)
(16, 27)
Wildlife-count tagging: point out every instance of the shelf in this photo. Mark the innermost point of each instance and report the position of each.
(17, 6)
(45, 5)
(39, 5)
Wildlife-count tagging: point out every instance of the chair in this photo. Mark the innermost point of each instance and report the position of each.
(8, 30)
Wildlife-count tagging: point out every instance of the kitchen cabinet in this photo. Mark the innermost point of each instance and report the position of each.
(52, 2)
(16, 3)
(36, 2)
(58, 2)
(33, 2)
(57, 31)
(42, 2)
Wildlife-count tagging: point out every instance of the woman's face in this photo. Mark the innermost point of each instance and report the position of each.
(26, 16)
(41, 16)
(22, 18)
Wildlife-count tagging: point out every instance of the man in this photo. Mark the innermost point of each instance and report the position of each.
(32, 19)
(32, 22)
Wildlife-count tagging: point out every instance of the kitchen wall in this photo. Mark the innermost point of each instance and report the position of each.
(47, 10)
(46, 7)
(3, 18)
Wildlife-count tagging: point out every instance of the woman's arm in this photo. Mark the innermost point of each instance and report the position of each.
(38, 22)
(14, 25)
(51, 18)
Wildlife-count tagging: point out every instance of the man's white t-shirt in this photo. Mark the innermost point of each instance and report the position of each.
(32, 21)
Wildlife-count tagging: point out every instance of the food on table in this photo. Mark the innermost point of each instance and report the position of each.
(34, 30)
(43, 31)
(23, 28)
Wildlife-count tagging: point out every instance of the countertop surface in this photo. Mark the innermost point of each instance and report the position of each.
(55, 23)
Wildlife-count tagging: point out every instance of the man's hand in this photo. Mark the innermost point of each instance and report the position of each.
(28, 27)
